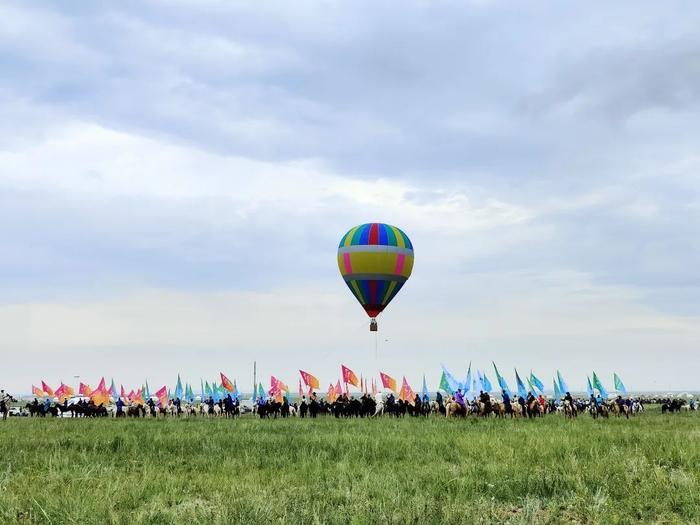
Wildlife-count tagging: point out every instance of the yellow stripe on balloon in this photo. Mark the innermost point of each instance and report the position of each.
(358, 293)
(389, 291)
(399, 237)
(351, 234)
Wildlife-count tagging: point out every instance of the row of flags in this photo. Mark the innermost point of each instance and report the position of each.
(472, 384)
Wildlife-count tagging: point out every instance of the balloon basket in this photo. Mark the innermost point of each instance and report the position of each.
(373, 325)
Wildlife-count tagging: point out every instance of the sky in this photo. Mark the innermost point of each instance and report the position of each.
(175, 179)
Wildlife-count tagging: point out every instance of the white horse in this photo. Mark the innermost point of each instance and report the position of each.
(381, 401)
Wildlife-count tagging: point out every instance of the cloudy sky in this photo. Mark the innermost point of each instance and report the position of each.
(174, 181)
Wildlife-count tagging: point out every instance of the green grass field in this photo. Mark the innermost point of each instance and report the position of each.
(358, 471)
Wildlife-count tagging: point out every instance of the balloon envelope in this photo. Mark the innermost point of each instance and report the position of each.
(375, 261)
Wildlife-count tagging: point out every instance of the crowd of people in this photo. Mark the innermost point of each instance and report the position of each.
(344, 406)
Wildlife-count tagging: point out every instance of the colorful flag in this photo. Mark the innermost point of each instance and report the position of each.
(310, 380)
(501, 381)
(261, 392)
(536, 382)
(388, 381)
(101, 386)
(452, 382)
(374, 387)
(100, 396)
(178, 388)
(589, 388)
(557, 392)
(445, 384)
(619, 386)
(189, 394)
(123, 394)
(563, 387)
(84, 390)
(330, 395)
(599, 386)
(207, 389)
(162, 395)
(46, 388)
(38, 392)
(226, 382)
(349, 376)
(138, 397)
(147, 395)
(274, 385)
(521, 386)
(338, 389)
(407, 393)
(487, 384)
(424, 391)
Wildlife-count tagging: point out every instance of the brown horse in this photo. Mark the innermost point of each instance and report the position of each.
(454, 409)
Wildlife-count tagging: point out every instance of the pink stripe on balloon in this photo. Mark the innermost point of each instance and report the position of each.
(399, 264)
(348, 264)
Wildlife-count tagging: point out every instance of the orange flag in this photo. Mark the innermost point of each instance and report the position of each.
(102, 386)
(309, 380)
(349, 376)
(84, 390)
(338, 389)
(37, 391)
(226, 383)
(63, 392)
(68, 390)
(46, 388)
(331, 393)
(388, 381)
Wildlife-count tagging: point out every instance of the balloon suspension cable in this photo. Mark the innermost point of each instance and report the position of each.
(376, 345)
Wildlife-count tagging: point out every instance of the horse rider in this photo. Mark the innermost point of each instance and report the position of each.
(459, 398)
(303, 407)
(570, 399)
(506, 402)
(485, 398)
(120, 407)
(4, 402)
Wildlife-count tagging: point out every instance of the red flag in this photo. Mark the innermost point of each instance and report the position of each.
(46, 388)
(349, 376)
(67, 390)
(310, 380)
(347, 392)
(311, 391)
(101, 386)
(407, 393)
(274, 385)
(225, 382)
(388, 381)
(162, 396)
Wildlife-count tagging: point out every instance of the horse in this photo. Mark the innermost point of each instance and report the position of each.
(454, 409)
(535, 409)
(569, 409)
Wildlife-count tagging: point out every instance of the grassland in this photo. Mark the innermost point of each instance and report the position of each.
(361, 471)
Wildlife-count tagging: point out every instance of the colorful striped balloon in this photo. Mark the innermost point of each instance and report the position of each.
(375, 261)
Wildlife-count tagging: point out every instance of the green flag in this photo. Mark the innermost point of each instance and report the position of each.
(599, 386)
(444, 384)
(619, 386)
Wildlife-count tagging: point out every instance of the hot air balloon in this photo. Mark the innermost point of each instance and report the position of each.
(375, 261)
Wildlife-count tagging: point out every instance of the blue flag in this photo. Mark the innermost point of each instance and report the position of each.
(235, 394)
(261, 393)
(424, 393)
(557, 392)
(467, 387)
(487, 383)
(148, 391)
(501, 381)
(115, 394)
(589, 388)
(454, 384)
(536, 382)
(178, 388)
(619, 386)
(563, 387)
(522, 392)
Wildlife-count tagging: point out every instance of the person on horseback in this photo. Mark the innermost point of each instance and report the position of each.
(485, 398)
(506, 402)
(570, 399)
(5, 400)
(303, 407)
(459, 399)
